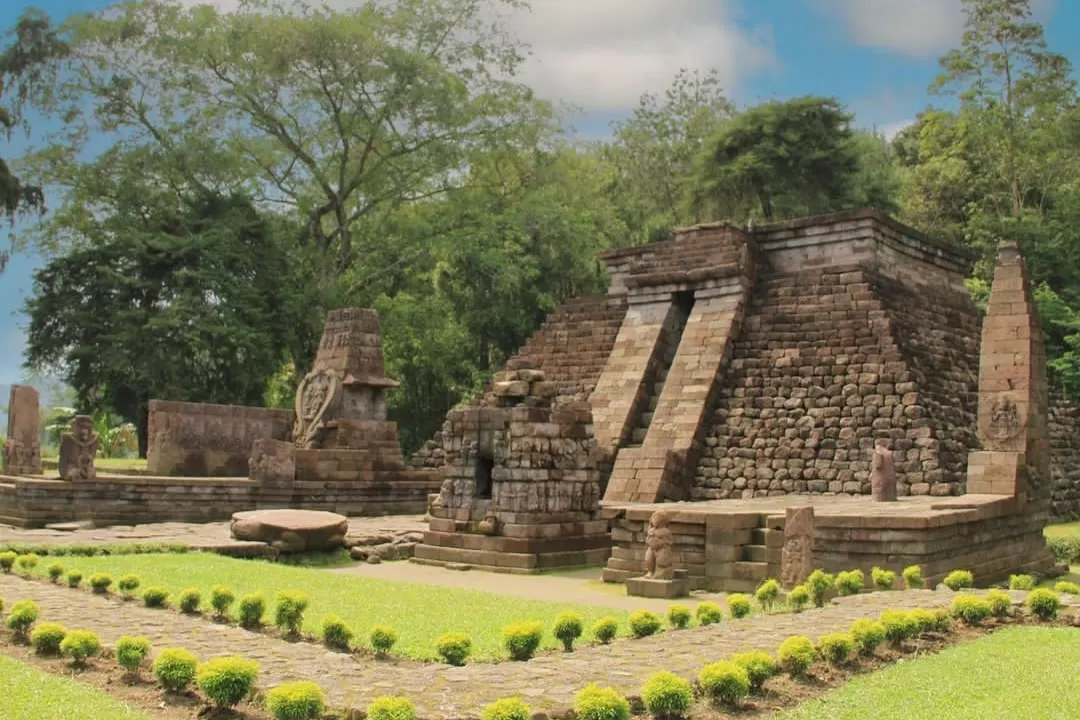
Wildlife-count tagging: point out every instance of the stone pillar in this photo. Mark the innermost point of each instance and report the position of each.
(78, 449)
(22, 449)
(1012, 391)
(883, 476)
(797, 559)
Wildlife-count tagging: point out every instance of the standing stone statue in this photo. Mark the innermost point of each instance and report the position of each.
(658, 553)
(78, 449)
(22, 452)
(797, 559)
(883, 476)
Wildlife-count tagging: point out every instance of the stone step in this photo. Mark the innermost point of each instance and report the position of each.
(638, 436)
(646, 419)
(755, 553)
(652, 402)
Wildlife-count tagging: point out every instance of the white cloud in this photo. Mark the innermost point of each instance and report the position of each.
(603, 54)
(891, 130)
(919, 28)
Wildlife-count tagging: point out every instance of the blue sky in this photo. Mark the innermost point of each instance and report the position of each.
(877, 56)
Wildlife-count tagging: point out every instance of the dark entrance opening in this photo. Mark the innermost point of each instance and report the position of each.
(484, 465)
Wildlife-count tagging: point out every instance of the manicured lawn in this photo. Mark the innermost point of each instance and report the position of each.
(419, 613)
(1017, 673)
(30, 693)
(1062, 530)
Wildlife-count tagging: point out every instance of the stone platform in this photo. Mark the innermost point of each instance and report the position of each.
(732, 545)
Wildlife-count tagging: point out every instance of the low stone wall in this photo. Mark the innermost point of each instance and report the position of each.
(203, 440)
(1064, 429)
(34, 502)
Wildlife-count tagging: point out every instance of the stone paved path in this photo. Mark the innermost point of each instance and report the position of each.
(547, 683)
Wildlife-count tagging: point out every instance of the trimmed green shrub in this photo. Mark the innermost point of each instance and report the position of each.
(759, 667)
(568, 627)
(1066, 549)
(767, 594)
(175, 669)
(382, 639)
(971, 609)
(189, 601)
(724, 682)
(819, 584)
(128, 584)
(850, 582)
(227, 680)
(913, 579)
(74, 578)
(7, 561)
(221, 599)
(836, 648)
(131, 652)
(101, 582)
(1043, 604)
(335, 633)
(251, 609)
(47, 637)
(454, 648)
(1000, 603)
(868, 635)
(155, 597)
(289, 611)
(1021, 582)
(796, 655)
(738, 605)
(1067, 588)
(56, 571)
(925, 620)
(798, 598)
(644, 623)
(522, 639)
(679, 616)
(959, 580)
(507, 709)
(666, 695)
(596, 703)
(605, 629)
(301, 700)
(942, 620)
(899, 626)
(23, 614)
(708, 613)
(80, 645)
(391, 708)
(27, 562)
(883, 579)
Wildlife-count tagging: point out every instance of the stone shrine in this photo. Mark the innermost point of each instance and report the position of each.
(22, 448)
(820, 363)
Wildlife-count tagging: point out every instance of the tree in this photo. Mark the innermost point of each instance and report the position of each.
(783, 159)
(24, 65)
(341, 117)
(194, 301)
(653, 153)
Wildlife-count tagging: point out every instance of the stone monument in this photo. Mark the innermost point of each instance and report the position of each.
(797, 560)
(661, 579)
(78, 449)
(883, 476)
(22, 449)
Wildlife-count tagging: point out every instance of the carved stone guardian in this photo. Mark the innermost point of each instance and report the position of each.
(797, 559)
(317, 392)
(78, 449)
(658, 555)
(883, 476)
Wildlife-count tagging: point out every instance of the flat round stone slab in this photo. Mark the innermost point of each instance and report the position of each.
(291, 531)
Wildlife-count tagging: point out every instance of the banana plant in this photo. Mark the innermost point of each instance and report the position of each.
(114, 440)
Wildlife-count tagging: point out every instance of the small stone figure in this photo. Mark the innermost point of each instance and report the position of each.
(658, 555)
(797, 558)
(78, 449)
(883, 476)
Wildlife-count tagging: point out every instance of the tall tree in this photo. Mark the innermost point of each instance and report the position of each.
(24, 66)
(193, 301)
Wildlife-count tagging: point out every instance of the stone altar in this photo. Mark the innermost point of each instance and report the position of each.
(291, 531)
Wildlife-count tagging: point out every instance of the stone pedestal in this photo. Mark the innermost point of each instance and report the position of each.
(677, 587)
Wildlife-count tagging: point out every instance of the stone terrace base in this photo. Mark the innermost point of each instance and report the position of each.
(732, 545)
(520, 548)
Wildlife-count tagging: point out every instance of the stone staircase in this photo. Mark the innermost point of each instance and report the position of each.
(672, 336)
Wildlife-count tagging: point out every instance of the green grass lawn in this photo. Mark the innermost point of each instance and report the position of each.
(419, 613)
(1062, 530)
(30, 693)
(1017, 673)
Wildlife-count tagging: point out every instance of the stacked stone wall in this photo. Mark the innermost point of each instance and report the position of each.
(1064, 429)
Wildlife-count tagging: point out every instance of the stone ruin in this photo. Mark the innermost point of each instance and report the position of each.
(738, 376)
(521, 487)
(337, 452)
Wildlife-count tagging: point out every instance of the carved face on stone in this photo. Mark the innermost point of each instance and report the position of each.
(659, 520)
(1004, 418)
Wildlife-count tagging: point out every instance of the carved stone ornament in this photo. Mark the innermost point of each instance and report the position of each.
(78, 449)
(797, 556)
(1005, 421)
(317, 392)
(658, 553)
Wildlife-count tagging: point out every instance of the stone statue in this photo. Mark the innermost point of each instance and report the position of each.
(797, 558)
(317, 392)
(882, 476)
(1004, 418)
(658, 541)
(78, 449)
